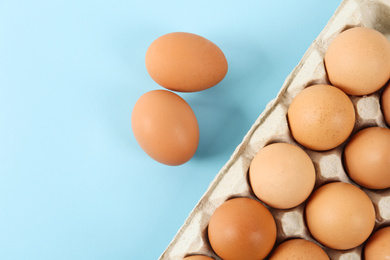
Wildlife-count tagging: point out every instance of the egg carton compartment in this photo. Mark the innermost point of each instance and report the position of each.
(272, 126)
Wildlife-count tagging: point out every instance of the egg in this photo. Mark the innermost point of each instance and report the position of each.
(385, 103)
(378, 245)
(321, 117)
(185, 62)
(198, 257)
(340, 215)
(367, 158)
(165, 127)
(282, 175)
(242, 228)
(298, 249)
(358, 61)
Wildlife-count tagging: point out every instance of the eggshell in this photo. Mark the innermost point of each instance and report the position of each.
(358, 61)
(198, 257)
(367, 158)
(340, 215)
(298, 249)
(321, 117)
(165, 127)
(242, 228)
(185, 62)
(378, 245)
(385, 103)
(282, 175)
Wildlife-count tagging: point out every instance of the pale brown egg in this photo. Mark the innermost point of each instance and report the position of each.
(298, 249)
(340, 215)
(378, 245)
(367, 158)
(185, 62)
(198, 257)
(358, 61)
(282, 175)
(321, 117)
(242, 228)
(385, 104)
(165, 127)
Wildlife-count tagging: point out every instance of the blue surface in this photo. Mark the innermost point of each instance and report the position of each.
(74, 184)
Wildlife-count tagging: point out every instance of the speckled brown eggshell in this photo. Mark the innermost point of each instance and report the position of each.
(358, 61)
(242, 228)
(340, 215)
(321, 117)
(165, 127)
(298, 249)
(378, 245)
(185, 62)
(385, 103)
(282, 175)
(367, 158)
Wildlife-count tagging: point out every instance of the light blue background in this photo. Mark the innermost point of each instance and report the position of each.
(74, 184)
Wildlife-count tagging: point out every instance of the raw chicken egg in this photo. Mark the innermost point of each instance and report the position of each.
(282, 175)
(185, 62)
(242, 228)
(367, 158)
(358, 61)
(340, 215)
(165, 127)
(385, 103)
(298, 249)
(378, 245)
(321, 117)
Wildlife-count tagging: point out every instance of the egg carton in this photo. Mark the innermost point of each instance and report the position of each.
(272, 126)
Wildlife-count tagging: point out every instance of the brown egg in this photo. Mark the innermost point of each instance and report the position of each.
(340, 215)
(298, 249)
(321, 117)
(358, 61)
(282, 175)
(165, 127)
(378, 245)
(367, 158)
(385, 104)
(242, 228)
(185, 62)
(198, 257)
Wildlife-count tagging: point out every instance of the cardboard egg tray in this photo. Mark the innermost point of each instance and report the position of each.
(272, 126)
